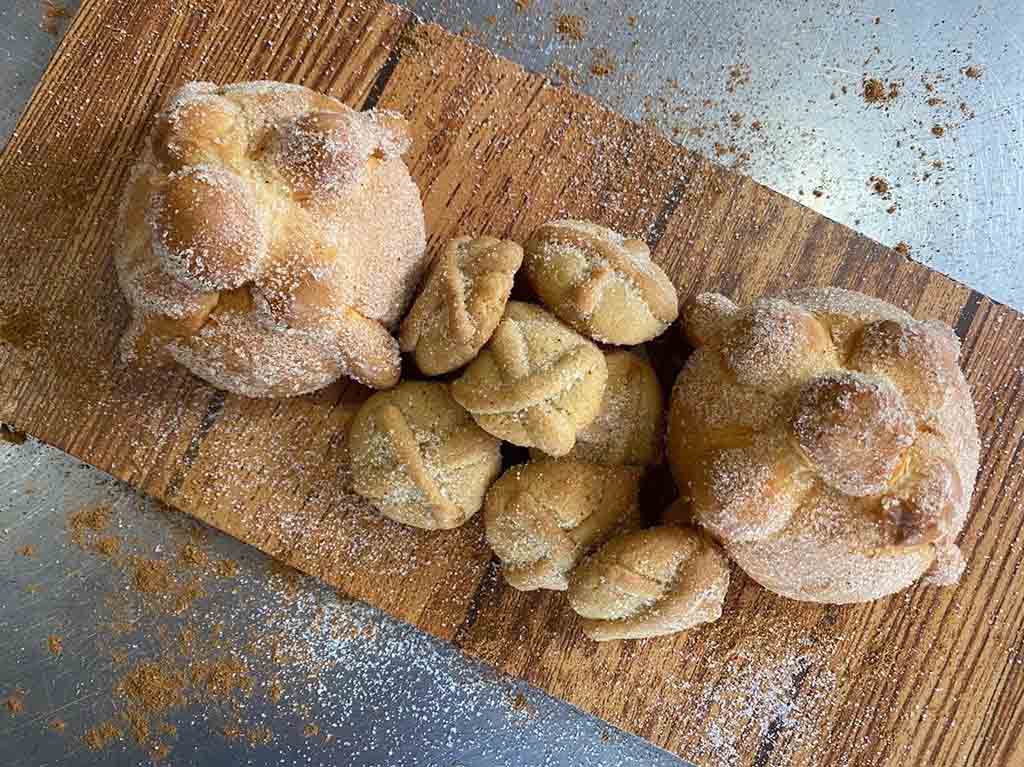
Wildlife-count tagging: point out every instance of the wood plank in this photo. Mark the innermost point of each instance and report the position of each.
(929, 676)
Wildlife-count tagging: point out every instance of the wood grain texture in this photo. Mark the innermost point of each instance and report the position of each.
(931, 676)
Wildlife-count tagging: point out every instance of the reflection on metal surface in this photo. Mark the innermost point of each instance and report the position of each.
(332, 681)
(704, 71)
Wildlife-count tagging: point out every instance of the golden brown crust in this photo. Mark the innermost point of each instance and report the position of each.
(600, 283)
(542, 517)
(420, 458)
(294, 204)
(461, 303)
(536, 383)
(629, 426)
(828, 440)
(650, 583)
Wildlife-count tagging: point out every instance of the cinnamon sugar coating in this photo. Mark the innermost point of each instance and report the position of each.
(828, 440)
(649, 583)
(420, 458)
(602, 284)
(270, 239)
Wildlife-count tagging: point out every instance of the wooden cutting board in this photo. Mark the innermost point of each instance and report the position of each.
(926, 677)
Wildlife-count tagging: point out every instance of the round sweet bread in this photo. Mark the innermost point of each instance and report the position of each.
(420, 458)
(649, 583)
(604, 285)
(461, 303)
(270, 239)
(629, 426)
(828, 440)
(536, 383)
(542, 517)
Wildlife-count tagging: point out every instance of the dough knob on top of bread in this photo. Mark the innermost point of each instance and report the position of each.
(271, 238)
(420, 458)
(827, 439)
(542, 517)
(604, 285)
(536, 383)
(461, 303)
(649, 583)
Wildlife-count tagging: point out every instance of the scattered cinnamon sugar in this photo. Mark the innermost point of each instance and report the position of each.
(874, 91)
(275, 692)
(972, 72)
(193, 555)
(902, 248)
(97, 738)
(938, 131)
(738, 76)
(259, 736)
(159, 752)
(152, 687)
(12, 436)
(107, 546)
(222, 678)
(28, 551)
(55, 644)
(603, 63)
(226, 568)
(935, 101)
(138, 726)
(187, 595)
(521, 705)
(53, 12)
(880, 186)
(90, 519)
(150, 576)
(877, 92)
(571, 27)
(288, 576)
(15, 704)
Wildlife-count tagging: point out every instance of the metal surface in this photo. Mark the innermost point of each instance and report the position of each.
(703, 71)
(377, 691)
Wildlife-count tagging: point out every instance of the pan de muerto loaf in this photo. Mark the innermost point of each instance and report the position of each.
(828, 440)
(542, 517)
(420, 458)
(649, 583)
(461, 303)
(536, 383)
(630, 425)
(603, 284)
(271, 238)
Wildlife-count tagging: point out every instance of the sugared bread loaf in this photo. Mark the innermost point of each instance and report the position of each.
(828, 440)
(271, 238)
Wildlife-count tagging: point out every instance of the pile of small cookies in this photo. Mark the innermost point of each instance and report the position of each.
(428, 453)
